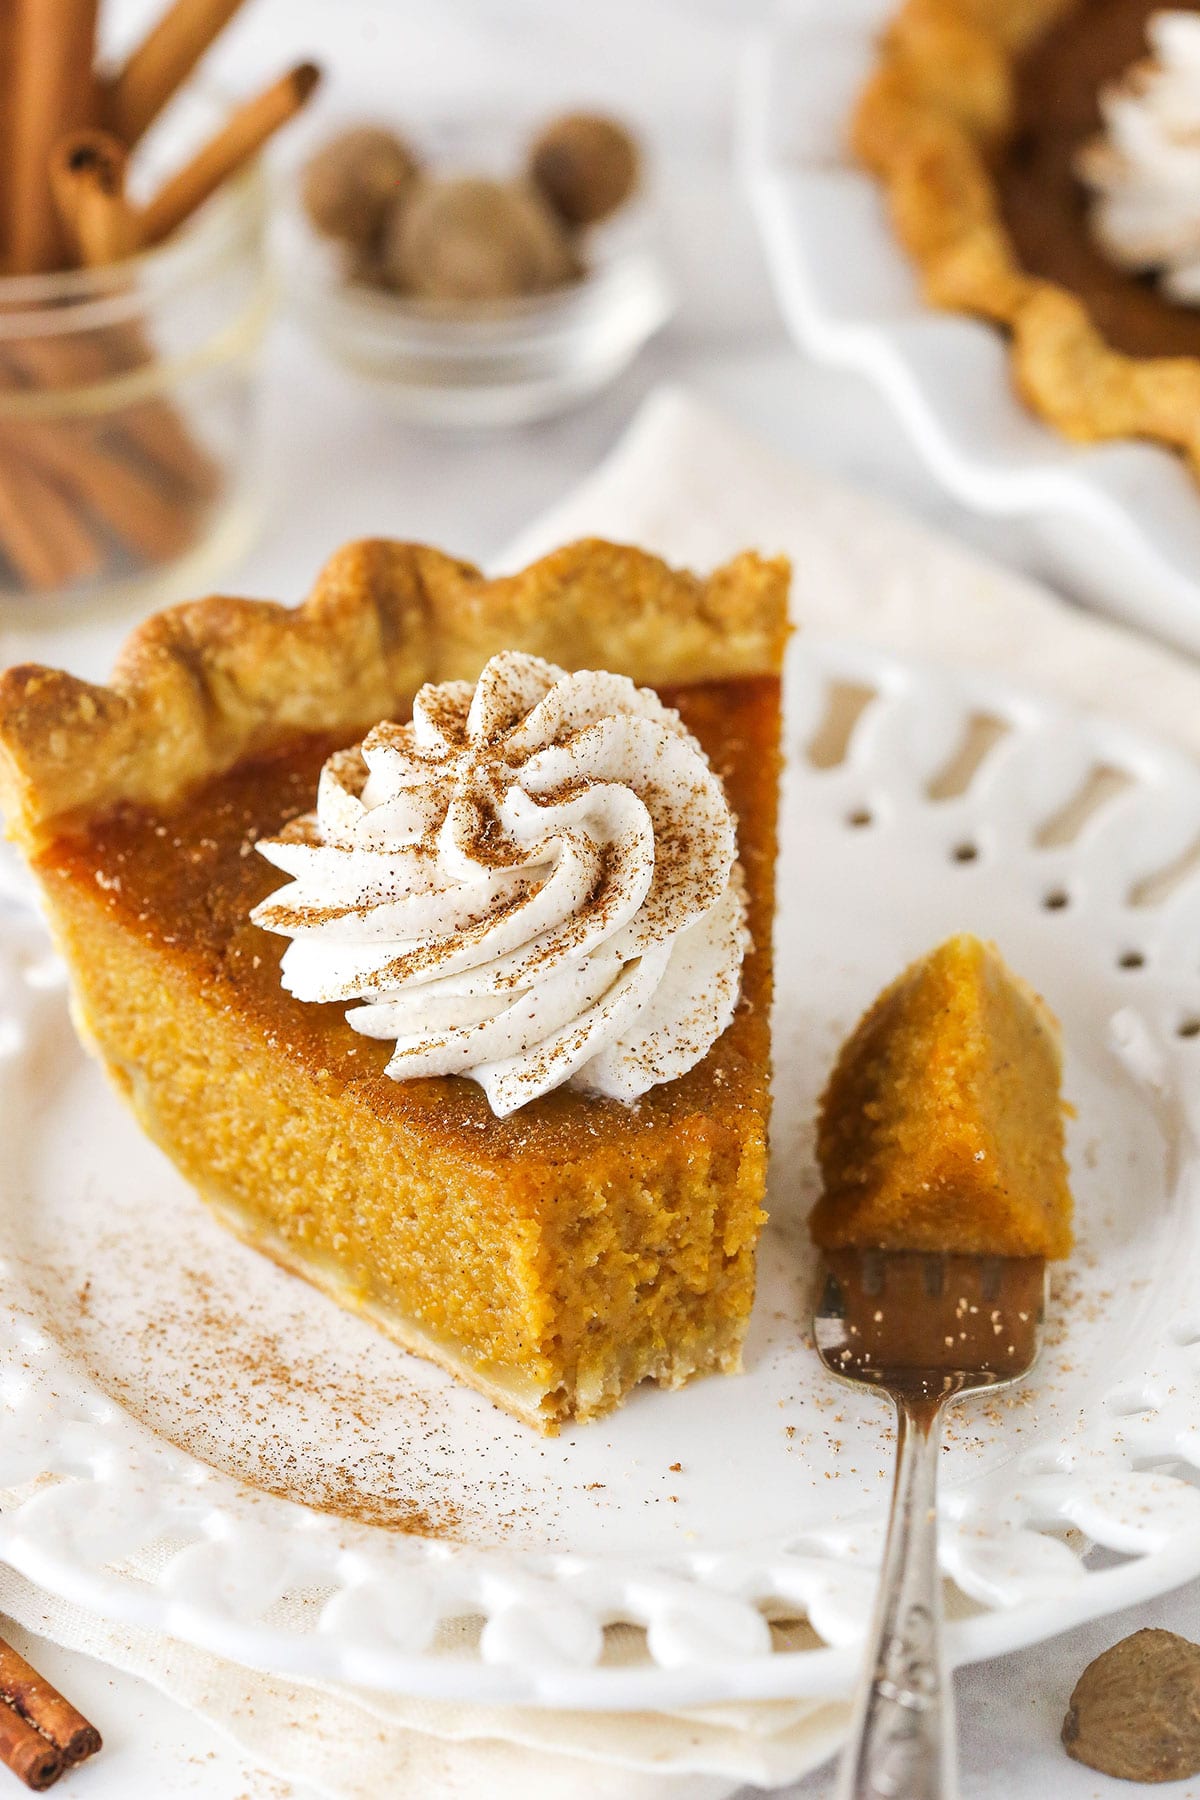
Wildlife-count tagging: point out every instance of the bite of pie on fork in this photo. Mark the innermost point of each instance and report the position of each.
(945, 1191)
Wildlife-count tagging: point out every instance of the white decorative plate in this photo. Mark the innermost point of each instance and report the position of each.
(195, 1441)
(1116, 524)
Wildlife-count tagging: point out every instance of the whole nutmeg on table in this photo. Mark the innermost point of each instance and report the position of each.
(469, 238)
(1135, 1711)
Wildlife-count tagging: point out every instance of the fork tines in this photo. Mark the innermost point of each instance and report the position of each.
(902, 1314)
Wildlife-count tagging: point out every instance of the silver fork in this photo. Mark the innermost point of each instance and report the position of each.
(923, 1329)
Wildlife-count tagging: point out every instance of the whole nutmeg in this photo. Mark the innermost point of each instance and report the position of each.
(585, 165)
(471, 238)
(352, 181)
(1135, 1712)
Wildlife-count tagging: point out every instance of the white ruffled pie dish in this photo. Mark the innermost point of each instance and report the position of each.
(1118, 524)
(191, 1440)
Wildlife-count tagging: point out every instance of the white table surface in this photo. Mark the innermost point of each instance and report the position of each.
(340, 469)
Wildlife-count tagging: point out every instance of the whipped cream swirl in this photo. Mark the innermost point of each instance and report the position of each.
(533, 883)
(1144, 168)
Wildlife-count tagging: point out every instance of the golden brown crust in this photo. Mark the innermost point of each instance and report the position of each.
(201, 686)
(938, 102)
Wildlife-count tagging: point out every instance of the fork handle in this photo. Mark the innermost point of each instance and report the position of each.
(902, 1738)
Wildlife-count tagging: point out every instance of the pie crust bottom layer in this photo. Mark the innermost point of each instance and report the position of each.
(553, 1259)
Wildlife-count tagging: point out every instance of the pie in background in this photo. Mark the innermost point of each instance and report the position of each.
(982, 120)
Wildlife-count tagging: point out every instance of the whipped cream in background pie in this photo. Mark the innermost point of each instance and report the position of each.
(1144, 168)
(532, 883)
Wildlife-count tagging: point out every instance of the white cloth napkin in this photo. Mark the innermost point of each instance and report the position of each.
(687, 483)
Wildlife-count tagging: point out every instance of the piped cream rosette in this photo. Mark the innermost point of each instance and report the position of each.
(1144, 167)
(533, 883)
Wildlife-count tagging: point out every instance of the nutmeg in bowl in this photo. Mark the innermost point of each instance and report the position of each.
(478, 275)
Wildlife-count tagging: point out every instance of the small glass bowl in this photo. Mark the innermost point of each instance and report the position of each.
(128, 403)
(477, 365)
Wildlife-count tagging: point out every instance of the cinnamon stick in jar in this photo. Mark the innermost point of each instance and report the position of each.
(8, 69)
(43, 536)
(54, 90)
(87, 178)
(130, 503)
(161, 64)
(240, 138)
(152, 429)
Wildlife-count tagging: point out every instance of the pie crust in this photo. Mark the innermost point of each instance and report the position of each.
(931, 123)
(199, 687)
(552, 1259)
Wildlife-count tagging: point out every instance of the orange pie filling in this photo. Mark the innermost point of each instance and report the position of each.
(553, 1258)
(941, 1128)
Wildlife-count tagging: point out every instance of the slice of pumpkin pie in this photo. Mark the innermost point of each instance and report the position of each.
(427, 928)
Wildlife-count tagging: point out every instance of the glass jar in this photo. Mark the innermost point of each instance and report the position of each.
(128, 416)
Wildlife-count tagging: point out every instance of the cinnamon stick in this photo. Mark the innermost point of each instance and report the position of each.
(152, 429)
(7, 83)
(87, 179)
(156, 435)
(128, 501)
(161, 64)
(69, 497)
(42, 535)
(53, 91)
(29, 1755)
(127, 498)
(31, 1695)
(240, 138)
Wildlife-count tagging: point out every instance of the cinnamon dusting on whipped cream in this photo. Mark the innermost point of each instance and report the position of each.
(533, 883)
